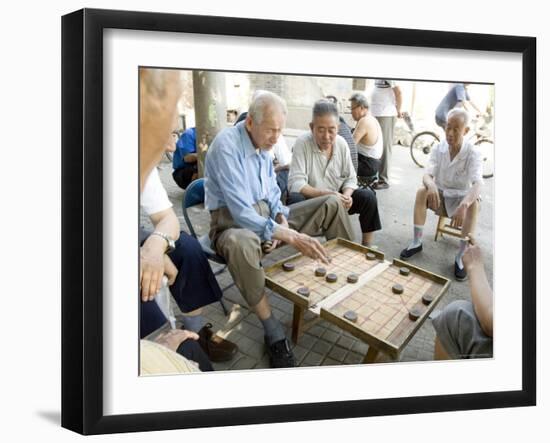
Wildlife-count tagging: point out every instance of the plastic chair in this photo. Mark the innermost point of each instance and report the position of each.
(194, 195)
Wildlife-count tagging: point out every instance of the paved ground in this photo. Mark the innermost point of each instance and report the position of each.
(325, 344)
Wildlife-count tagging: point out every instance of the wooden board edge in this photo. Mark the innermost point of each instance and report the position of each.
(361, 334)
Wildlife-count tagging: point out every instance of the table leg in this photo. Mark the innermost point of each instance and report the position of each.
(297, 323)
(372, 353)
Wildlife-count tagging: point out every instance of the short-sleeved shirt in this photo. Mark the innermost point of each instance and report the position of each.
(382, 101)
(457, 93)
(455, 178)
(185, 145)
(310, 167)
(238, 176)
(154, 198)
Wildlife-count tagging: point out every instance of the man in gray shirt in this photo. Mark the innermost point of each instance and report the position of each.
(321, 165)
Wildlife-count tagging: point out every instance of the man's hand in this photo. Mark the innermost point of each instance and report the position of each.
(346, 200)
(458, 217)
(433, 197)
(151, 266)
(170, 270)
(310, 247)
(281, 220)
(175, 337)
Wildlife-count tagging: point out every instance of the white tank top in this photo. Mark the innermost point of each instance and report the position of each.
(375, 150)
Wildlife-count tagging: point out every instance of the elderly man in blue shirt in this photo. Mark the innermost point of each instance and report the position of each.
(246, 212)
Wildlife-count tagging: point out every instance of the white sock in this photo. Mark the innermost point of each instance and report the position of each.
(417, 237)
(461, 249)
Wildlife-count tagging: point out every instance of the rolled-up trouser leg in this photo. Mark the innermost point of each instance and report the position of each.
(366, 205)
(241, 249)
(321, 215)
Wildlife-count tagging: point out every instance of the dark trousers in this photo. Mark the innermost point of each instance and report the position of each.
(195, 284)
(364, 203)
(367, 166)
(184, 176)
(191, 350)
(282, 181)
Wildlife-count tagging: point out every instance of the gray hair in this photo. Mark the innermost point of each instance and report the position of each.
(461, 113)
(324, 107)
(360, 99)
(261, 100)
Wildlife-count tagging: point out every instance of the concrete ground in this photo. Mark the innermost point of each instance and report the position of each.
(325, 344)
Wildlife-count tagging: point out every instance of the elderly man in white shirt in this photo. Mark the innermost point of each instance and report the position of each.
(451, 187)
(321, 165)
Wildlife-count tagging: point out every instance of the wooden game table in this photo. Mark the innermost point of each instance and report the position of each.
(371, 309)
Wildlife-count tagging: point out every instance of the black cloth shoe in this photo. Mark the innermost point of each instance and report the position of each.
(460, 274)
(280, 355)
(408, 253)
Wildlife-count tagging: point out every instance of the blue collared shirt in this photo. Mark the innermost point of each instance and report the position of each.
(237, 177)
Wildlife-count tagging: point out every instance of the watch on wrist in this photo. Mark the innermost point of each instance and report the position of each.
(171, 244)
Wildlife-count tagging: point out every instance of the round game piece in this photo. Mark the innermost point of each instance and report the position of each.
(397, 288)
(331, 278)
(427, 299)
(353, 278)
(404, 271)
(288, 266)
(303, 291)
(414, 314)
(350, 316)
(370, 256)
(320, 272)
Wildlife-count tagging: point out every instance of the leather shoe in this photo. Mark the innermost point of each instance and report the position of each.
(218, 349)
(280, 355)
(408, 253)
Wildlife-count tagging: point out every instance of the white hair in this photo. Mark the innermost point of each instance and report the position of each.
(261, 100)
(360, 99)
(461, 113)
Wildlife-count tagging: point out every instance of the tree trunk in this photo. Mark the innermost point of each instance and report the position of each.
(210, 110)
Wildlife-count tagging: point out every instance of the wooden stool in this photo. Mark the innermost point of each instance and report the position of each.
(444, 227)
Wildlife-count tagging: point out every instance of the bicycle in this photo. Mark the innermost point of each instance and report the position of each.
(423, 143)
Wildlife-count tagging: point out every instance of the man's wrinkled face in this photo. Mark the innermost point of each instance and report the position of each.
(455, 131)
(324, 129)
(265, 134)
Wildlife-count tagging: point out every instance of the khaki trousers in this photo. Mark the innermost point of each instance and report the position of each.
(242, 250)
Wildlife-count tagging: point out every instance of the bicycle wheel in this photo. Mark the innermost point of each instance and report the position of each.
(422, 145)
(486, 147)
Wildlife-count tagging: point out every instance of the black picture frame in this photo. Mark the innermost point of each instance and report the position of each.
(82, 219)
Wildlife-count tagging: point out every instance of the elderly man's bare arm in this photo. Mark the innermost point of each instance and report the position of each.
(467, 201)
(398, 100)
(482, 294)
(361, 130)
(433, 193)
(152, 258)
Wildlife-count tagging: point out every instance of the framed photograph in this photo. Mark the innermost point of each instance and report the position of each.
(373, 332)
